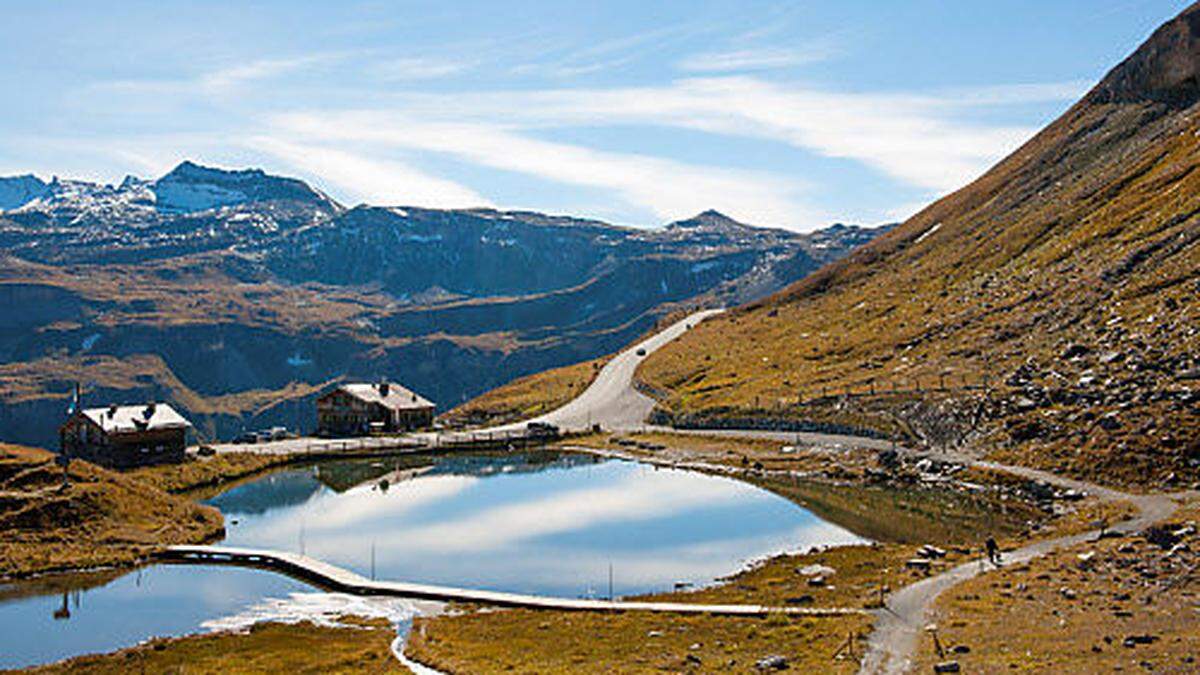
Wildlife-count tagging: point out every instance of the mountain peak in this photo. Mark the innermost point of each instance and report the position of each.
(1165, 69)
(16, 191)
(194, 187)
(709, 220)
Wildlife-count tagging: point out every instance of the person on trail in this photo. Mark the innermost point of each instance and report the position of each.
(993, 551)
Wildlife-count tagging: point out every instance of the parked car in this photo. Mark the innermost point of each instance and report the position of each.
(278, 433)
(246, 437)
(541, 429)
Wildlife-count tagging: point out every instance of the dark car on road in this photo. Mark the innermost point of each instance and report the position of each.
(541, 430)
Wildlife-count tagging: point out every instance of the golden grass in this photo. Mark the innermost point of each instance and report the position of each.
(1061, 614)
(529, 641)
(264, 648)
(528, 396)
(101, 518)
(202, 472)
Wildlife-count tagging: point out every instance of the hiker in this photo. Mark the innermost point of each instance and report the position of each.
(993, 551)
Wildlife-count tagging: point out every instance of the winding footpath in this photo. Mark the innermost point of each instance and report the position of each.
(893, 642)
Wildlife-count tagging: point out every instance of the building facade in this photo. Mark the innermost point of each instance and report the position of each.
(125, 436)
(362, 408)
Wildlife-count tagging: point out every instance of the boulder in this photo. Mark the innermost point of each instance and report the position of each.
(773, 662)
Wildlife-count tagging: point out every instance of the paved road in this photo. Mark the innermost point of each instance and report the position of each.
(611, 400)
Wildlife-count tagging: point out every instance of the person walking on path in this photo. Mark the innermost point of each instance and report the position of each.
(993, 551)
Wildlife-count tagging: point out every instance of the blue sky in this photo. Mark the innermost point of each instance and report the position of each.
(792, 114)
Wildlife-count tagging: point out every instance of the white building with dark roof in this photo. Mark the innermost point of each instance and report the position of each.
(125, 436)
(363, 408)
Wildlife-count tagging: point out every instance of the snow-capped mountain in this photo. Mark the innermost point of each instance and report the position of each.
(189, 210)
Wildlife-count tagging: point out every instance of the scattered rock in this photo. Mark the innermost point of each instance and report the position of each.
(1132, 641)
(816, 570)
(946, 667)
(931, 551)
(773, 662)
(1075, 351)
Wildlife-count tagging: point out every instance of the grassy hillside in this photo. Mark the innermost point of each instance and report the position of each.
(1066, 279)
(526, 397)
(101, 518)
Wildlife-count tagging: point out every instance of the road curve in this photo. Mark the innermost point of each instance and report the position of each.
(611, 400)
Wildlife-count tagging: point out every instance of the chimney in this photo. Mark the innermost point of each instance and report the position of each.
(383, 388)
(112, 410)
(149, 410)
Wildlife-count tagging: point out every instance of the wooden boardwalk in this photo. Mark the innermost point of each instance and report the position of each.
(333, 578)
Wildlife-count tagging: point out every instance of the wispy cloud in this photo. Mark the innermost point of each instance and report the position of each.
(917, 138)
(668, 188)
(417, 68)
(367, 178)
(610, 53)
(227, 79)
(765, 58)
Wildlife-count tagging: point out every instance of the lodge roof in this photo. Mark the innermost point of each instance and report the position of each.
(128, 419)
(387, 394)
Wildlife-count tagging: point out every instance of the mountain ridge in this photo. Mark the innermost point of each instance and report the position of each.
(237, 313)
(1066, 276)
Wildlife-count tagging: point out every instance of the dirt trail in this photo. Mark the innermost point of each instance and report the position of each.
(893, 642)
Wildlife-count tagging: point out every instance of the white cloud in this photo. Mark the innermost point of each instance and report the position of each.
(373, 180)
(918, 139)
(753, 59)
(668, 188)
(227, 79)
(419, 68)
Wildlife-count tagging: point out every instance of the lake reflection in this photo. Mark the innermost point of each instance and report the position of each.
(159, 600)
(547, 524)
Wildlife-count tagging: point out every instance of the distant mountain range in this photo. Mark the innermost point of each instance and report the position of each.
(237, 294)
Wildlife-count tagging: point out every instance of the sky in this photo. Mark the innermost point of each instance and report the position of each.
(787, 114)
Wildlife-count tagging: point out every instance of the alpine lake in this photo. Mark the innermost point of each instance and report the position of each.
(538, 522)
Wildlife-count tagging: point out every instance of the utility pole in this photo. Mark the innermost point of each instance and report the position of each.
(372, 560)
(610, 581)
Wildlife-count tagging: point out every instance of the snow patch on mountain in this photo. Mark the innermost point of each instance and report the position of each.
(195, 197)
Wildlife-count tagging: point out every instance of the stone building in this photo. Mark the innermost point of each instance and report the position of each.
(125, 436)
(363, 408)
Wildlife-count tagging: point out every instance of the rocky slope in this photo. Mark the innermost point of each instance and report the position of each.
(237, 295)
(1062, 287)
